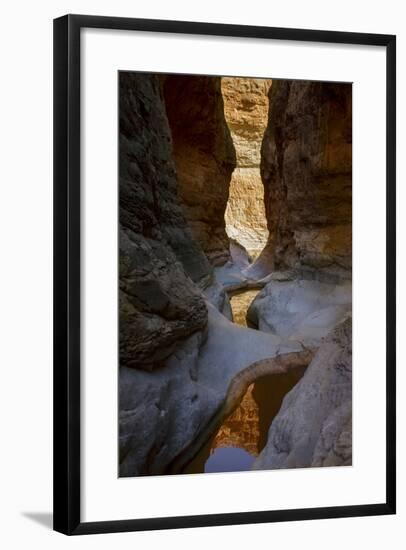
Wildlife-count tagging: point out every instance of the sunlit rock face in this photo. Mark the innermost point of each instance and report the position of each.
(306, 169)
(246, 112)
(204, 156)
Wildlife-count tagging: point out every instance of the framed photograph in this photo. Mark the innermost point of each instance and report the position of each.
(224, 274)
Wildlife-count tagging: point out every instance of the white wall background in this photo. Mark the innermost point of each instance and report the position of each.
(25, 289)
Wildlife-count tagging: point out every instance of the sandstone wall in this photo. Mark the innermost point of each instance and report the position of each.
(306, 171)
(159, 260)
(204, 157)
(246, 111)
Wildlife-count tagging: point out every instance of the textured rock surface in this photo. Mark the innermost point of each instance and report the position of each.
(246, 111)
(306, 171)
(159, 260)
(301, 309)
(314, 426)
(204, 156)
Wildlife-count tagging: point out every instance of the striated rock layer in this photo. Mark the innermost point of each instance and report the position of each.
(246, 112)
(204, 157)
(306, 171)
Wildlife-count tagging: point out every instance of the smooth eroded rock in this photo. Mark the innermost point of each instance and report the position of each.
(314, 424)
(161, 266)
(300, 309)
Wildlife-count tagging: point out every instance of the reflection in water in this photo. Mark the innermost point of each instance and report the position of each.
(243, 435)
(229, 459)
(240, 303)
(241, 429)
(247, 428)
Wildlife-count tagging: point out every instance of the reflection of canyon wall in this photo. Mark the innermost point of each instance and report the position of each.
(246, 112)
(306, 170)
(204, 157)
(241, 429)
(159, 304)
(248, 425)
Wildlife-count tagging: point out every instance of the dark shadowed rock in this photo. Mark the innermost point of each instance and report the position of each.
(306, 170)
(204, 157)
(160, 305)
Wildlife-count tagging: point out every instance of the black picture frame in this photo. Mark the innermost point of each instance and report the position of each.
(67, 272)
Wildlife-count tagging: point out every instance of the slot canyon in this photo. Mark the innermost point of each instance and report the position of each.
(235, 293)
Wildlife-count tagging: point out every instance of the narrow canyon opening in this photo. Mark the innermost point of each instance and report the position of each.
(246, 107)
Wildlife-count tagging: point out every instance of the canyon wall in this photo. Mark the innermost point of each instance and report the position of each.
(204, 156)
(159, 261)
(306, 170)
(246, 111)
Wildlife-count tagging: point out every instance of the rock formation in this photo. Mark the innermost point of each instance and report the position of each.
(159, 261)
(293, 306)
(163, 411)
(306, 171)
(246, 112)
(314, 425)
(240, 302)
(204, 157)
(247, 427)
